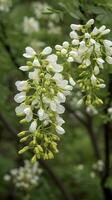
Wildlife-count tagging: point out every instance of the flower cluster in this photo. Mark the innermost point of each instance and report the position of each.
(5, 5)
(88, 51)
(98, 166)
(42, 94)
(26, 177)
(40, 98)
(30, 25)
(51, 20)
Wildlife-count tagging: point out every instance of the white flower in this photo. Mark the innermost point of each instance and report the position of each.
(107, 43)
(92, 41)
(65, 44)
(92, 174)
(7, 177)
(33, 126)
(34, 75)
(96, 70)
(90, 22)
(75, 42)
(87, 35)
(30, 53)
(60, 130)
(20, 109)
(80, 167)
(19, 98)
(72, 82)
(61, 97)
(59, 120)
(110, 110)
(102, 85)
(95, 31)
(24, 68)
(73, 35)
(109, 59)
(29, 114)
(75, 27)
(70, 59)
(53, 105)
(93, 80)
(60, 109)
(52, 59)
(102, 28)
(41, 114)
(91, 110)
(58, 47)
(21, 85)
(30, 25)
(105, 32)
(63, 51)
(47, 51)
(100, 61)
(5, 5)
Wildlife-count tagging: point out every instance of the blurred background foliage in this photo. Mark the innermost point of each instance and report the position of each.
(74, 163)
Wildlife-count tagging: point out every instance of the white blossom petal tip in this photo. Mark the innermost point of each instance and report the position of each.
(30, 53)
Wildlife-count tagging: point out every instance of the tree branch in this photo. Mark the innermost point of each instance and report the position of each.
(89, 127)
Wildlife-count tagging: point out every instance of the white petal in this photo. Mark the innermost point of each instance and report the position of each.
(47, 51)
(29, 114)
(58, 47)
(34, 75)
(75, 42)
(33, 126)
(65, 44)
(24, 68)
(90, 22)
(75, 27)
(29, 53)
(109, 59)
(41, 114)
(20, 109)
(60, 109)
(21, 85)
(53, 105)
(70, 59)
(105, 32)
(100, 61)
(57, 68)
(59, 120)
(19, 98)
(96, 70)
(60, 130)
(63, 51)
(93, 80)
(61, 97)
(72, 82)
(52, 58)
(73, 35)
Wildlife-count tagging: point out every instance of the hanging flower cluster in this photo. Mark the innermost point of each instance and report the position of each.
(40, 98)
(5, 5)
(88, 51)
(26, 177)
(42, 94)
(30, 25)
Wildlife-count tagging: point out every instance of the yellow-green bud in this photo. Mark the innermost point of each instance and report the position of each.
(34, 159)
(22, 133)
(23, 150)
